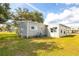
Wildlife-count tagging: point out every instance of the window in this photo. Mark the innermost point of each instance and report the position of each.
(54, 29)
(64, 32)
(51, 29)
(32, 27)
(61, 31)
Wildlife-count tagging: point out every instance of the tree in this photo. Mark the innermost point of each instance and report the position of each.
(37, 16)
(20, 13)
(4, 11)
(25, 14)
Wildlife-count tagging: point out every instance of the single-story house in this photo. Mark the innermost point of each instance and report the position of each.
(31, 29)
(75, 30)
(58, 30)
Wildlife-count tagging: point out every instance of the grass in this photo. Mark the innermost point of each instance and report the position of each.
(12, 45)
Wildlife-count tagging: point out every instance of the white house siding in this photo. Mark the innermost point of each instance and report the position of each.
(61, 30)
(53, 34)
(75, 30)
(30, 28)
(64, 30)
(39, 29)
(22, 28)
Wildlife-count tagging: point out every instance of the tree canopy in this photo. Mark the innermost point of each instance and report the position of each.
(20, 14)
(4, 12)
(25, 14)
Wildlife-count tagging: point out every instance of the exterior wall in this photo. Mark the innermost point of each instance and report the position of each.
(22, 28)
(53, 34)
(30, 28)
(64, 30)
(39, 29)
(60, 31)
(75, 30)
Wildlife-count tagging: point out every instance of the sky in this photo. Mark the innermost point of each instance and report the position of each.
(54, 13)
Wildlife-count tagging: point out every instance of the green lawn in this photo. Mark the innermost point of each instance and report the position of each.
(12, 45)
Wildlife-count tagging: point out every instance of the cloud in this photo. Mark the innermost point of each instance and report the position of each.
(72, 4)
(68, 16)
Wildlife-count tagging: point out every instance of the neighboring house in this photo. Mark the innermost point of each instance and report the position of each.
(75, 30)
(58, 30)
(31, 29)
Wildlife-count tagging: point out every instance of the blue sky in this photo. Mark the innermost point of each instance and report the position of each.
(45, 7)
(64, 13)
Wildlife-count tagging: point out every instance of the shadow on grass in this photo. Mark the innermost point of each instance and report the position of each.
(30, 49)
(71, 36)
(15, 46)
(27, 48)
(46, 46)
